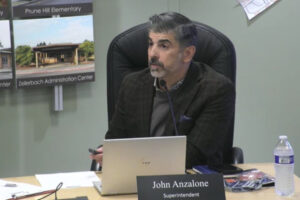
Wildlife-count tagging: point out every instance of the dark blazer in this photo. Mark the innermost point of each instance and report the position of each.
(203, 107)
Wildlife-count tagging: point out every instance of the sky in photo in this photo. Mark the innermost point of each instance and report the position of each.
(53, 30)
(4, 34)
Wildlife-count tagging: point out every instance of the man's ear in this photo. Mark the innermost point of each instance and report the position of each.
(189, 53)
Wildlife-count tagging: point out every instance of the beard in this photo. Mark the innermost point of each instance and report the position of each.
(159, 70)
(158, 73)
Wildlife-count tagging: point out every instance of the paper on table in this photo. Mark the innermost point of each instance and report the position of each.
(9, 188)
(69, 180)
(253, 7)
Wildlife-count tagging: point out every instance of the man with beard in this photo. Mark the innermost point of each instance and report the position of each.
(203, 99)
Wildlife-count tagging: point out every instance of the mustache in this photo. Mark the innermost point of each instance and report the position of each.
(155, 61)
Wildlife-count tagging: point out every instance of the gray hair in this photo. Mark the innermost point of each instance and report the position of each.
(183, 28)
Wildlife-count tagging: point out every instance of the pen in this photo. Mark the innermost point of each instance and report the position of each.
(94, 152)
(14, 197)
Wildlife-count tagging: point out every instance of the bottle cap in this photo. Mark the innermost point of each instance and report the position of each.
(282, 137)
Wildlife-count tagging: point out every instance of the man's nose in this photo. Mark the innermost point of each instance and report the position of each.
(153, 52)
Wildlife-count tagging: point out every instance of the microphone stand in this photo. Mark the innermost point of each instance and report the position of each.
(164, 85)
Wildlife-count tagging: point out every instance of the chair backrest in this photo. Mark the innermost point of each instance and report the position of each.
(128, 53)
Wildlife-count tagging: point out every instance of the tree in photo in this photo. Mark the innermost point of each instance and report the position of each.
(1, 45)
(24, 55)
(41, 44)
(87, 49)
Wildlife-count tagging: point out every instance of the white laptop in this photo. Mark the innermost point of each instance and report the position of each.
(125, 159)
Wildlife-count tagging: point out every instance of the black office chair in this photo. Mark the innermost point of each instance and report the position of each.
(128, 53)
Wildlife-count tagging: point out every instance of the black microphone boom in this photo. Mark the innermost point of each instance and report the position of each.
(163, 84)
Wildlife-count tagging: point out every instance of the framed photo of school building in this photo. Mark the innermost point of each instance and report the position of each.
(53, 42)
(52, 51)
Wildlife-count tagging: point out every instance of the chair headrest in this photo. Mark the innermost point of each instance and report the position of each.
(128, 50)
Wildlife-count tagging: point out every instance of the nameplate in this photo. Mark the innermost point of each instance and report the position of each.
(175, 187)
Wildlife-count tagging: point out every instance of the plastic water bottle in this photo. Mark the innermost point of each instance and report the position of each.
(284, 167)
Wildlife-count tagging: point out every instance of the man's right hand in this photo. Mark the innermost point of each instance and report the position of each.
(98, 157)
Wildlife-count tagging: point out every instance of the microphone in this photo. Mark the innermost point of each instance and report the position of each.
(163, 84)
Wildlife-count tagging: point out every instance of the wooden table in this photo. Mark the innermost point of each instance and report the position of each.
(267, 193)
